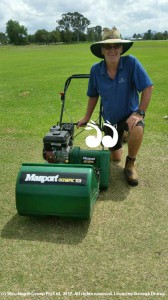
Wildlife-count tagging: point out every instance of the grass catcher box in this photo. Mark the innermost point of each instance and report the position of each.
(56, 189)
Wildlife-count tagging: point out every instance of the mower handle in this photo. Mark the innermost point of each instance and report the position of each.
(67, 83)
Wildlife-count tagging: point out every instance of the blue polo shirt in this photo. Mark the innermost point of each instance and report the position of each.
(120, 97)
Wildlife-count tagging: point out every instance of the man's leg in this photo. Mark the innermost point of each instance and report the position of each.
(134, 143)
(116, 155)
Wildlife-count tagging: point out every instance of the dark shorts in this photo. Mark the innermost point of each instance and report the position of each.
(121, 127)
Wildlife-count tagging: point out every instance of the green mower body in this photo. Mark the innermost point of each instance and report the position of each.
(100, 159)
(59, 190)
(66, 190)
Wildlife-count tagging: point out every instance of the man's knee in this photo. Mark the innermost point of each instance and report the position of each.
(137, 130)
(135, 136)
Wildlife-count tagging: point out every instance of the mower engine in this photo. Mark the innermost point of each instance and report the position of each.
(58, 142)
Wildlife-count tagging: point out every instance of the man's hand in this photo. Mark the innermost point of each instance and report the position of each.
(133, 120)
(82, 122)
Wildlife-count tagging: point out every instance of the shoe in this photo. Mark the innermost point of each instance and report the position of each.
(130, 171)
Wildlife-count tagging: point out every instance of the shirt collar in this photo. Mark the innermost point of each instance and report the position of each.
(104, 66)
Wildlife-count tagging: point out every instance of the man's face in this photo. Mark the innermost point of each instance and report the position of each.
(112, 52)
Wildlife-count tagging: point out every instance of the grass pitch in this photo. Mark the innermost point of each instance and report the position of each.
(124, 248)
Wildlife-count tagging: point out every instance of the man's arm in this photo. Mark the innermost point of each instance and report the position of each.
(144, 102)
(145, 98)
(92, 101)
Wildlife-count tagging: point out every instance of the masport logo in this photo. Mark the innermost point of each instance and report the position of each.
(95, 141)
(52, 178)
(41, 179)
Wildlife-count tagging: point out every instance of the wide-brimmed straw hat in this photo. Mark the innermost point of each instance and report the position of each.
(110, 37)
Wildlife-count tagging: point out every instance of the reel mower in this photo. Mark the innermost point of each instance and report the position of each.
(67, 184)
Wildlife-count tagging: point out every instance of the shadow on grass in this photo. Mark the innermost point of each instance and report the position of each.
(46, 229)
(118, 189)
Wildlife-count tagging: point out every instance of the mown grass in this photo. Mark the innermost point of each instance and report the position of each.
(124, 248)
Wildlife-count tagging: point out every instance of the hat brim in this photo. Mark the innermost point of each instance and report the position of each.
(96, 48)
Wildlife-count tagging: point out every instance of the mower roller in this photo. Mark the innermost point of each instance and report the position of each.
(67, 184)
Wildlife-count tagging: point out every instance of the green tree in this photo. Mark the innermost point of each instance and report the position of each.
(16, 33)
(41, 36)
(31, 38)
(94, 33)
(137, 36)
(158, 36)
(90, 34)
(98, 33)
(165, 35)
(55, 36)
(73, 22)
(3, 38)
(148, 35)
(67, 36)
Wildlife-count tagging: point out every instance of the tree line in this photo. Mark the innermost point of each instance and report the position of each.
(149, 35)
(72, 27)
